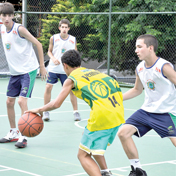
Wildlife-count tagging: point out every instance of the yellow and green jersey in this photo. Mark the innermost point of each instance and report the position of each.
(103, 95)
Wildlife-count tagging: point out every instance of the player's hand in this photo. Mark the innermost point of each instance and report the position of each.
(43, 73)
(35, 111)
(56, 61)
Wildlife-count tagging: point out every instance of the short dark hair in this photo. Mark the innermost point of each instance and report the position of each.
(71, 58)
(1, 4)
(7, 8)
(149, 40)
(64, 21)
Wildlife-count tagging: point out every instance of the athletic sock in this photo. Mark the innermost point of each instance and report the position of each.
(105, 170)
(13, 129)
(135, 163)
(75, 111)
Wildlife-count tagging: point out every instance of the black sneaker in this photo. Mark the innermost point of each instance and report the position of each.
(140, 172)
(105, 173)
(133, 172)
(22, 142)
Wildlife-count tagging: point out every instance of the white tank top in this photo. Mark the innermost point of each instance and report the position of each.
(59, 47)
(160, 93)
(19, 52)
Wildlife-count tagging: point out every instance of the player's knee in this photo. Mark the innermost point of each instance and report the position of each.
(21, 102)
(79, 156)
(10, 102)
(48, 88)
(126, 131)
(122, 133)
(174, 142)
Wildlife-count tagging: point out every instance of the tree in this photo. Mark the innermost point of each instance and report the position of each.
(92, 30)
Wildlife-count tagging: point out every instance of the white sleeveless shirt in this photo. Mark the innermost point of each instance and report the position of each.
(19, 52)
(59, 48)
(160, 93)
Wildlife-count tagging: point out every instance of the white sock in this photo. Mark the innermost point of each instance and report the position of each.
(75, 111)
(135, 163)
(22, 137)
(13, 129)
(107, 170)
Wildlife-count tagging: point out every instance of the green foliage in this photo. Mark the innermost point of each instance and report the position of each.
(92, 32)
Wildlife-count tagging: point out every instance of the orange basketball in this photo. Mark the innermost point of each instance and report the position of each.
(30, 124)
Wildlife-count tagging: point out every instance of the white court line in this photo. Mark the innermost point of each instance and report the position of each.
(76, 123)
(4, 170)
(124, 169)
(10, 168)
(51, 99)
(55, 112)
(70, 102)
(58, 112)
(2, 93)
(77, 174)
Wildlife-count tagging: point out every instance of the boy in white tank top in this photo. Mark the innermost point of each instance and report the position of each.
(158, 112)
(23, 65)
(59, 43)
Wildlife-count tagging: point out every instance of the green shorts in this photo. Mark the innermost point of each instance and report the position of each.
(96, 142)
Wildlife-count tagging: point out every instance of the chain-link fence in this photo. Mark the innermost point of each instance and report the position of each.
(105, 36)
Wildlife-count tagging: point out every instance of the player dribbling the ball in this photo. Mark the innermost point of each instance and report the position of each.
(103, 94)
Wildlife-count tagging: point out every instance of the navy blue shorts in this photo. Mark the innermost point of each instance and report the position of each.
(53, 78)
(163, 124)
(21, 85)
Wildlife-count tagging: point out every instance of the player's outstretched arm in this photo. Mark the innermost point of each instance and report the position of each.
(135, 91)
(67, 87)
(170, 73)
(28, 36)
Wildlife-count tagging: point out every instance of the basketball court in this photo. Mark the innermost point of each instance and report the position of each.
(54, 151)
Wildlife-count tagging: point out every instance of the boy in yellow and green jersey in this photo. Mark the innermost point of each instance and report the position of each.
(104, 96)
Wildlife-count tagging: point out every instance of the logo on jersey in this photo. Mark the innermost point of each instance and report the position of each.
(8, 46)
(90, 74)
(57, 40)
(157, 69)
(85, 70)
(63, 50)
(15, 32)
(140, 69)
(99, 89)
(151, 84)
(2, 32)
(71, 41)
(24, 91)
(170, 130)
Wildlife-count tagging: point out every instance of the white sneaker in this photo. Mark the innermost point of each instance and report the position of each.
(10, 137)
(46, 116)
(77, 116)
